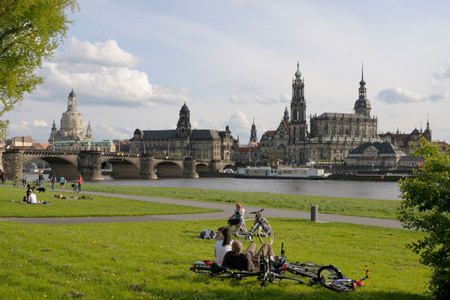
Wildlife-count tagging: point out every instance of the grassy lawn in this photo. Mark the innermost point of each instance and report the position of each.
(386, 209)
(152, 260)
(99, 206)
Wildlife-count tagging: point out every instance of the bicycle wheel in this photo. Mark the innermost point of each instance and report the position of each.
(238, 234)
(328, 276)
(265, 236)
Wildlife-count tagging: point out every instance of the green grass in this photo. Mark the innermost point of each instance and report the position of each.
(99, 206)
(386, 209)
(151, 261)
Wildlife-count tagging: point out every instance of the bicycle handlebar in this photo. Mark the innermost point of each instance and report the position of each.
(255, 212)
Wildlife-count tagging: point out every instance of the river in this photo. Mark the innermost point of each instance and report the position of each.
(336, 188)
(331, 188)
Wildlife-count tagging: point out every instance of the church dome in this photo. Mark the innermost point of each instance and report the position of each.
(72, 94)
(362, 103)
(184, 108)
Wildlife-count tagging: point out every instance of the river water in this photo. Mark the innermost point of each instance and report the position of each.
(331, 188)
(335, 188)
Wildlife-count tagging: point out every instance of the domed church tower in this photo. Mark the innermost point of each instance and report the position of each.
(362, 105)
(184, 122)
(71, 124)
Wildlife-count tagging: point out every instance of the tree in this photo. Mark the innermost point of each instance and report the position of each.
(30, 32)
(426, 207)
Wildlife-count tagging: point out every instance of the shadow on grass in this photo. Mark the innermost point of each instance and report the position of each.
(257, 293)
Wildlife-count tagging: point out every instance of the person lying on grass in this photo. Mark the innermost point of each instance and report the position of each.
(248, 260)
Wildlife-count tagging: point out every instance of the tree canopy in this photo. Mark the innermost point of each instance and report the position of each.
(30, 31)
(426, 207)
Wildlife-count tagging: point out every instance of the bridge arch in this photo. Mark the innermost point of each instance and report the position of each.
(169, 168)
(122, 167)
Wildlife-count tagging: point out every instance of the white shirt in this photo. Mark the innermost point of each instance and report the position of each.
(32, 199)
(221, 251)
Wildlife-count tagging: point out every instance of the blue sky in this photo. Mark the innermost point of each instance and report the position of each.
(134, 63)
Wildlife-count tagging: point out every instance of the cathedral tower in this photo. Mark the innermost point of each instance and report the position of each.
(362, 105)
(253, 137)
(184, 122)
(298, 126)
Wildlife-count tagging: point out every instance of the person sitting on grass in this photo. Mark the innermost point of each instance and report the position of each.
(223, 245)
(32, 199)
(249, 260)
(238, 217)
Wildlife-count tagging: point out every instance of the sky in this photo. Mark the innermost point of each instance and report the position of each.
(133, 64)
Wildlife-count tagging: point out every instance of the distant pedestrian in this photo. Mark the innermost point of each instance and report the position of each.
(16, 179)
(24, 180)
(3, 177)
(62, 181)
(53, 181)
(80, 181)
(41, 179)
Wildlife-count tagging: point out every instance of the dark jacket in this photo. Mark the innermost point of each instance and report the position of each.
(242, 261)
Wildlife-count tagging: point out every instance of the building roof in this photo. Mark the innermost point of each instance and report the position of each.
(330, 115)
(171, 134)
(382, 147)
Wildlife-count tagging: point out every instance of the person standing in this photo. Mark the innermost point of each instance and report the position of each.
(24, 180)
(62, 181)
(16, 179)
(3, 177)
(41, 179)
(53, 181)
(80, 181)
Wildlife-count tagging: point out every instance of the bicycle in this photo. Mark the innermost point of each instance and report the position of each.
(266, 273)
(332, 278)
(261, 228)
(307, 269)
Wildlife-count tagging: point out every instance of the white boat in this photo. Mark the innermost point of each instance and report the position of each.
(281, 173)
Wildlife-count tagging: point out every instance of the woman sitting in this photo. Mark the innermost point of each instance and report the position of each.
(223, 245)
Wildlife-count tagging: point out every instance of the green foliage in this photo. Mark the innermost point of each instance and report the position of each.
(426, 207)
(30, 31)
(99, 206)
(151, 261)
(386, 209)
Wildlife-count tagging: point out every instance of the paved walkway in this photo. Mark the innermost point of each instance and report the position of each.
(227, 210)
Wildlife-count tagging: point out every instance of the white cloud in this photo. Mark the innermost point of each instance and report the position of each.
(103, 54)
(103, 74)
(210, 83)
(106, 130)
(399, 95)
(236, 100)
(239, 123)
(39, 123)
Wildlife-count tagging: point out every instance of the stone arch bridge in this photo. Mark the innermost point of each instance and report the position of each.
(89, 164)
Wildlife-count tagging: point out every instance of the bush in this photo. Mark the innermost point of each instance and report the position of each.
(426, 207)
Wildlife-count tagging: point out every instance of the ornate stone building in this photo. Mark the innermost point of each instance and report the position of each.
(332, 135)
(71, 124)
(200, 144)
(70, 135)
(407, 142)
(377, 154)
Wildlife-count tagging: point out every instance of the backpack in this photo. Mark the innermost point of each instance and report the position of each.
(208, 234)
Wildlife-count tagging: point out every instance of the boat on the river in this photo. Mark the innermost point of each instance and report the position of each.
(281, 173)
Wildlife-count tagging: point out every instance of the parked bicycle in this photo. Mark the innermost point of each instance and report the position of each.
(332, 278)
(266, 273)
(261, 228)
